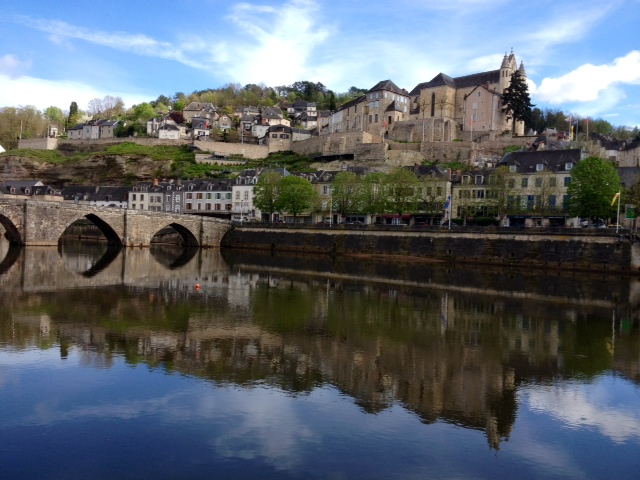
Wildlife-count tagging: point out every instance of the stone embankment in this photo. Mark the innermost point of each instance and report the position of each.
(564, 249)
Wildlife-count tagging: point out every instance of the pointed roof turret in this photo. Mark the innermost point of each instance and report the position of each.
(522, 71)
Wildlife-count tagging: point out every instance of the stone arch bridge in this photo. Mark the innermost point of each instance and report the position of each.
(43, 223)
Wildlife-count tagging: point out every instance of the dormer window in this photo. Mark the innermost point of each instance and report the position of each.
(539, 167)
(513, 168)
(479, 179)
(568, 166)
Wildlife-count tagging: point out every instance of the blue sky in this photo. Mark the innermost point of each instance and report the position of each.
(581, 56)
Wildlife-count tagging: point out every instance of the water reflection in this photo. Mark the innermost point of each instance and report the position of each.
(448, 345)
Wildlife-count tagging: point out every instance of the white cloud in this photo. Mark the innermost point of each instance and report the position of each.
(22, 91)
(12, 67)
(269, 52)
(597, 87)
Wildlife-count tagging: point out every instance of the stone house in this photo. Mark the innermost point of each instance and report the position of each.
(200, 128)
(280, 136)
(200, 109)
(375, 112)
(107, 128)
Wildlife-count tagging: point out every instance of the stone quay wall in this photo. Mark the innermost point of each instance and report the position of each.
(565, 249)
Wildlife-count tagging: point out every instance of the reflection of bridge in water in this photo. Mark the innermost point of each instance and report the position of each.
(40, 223)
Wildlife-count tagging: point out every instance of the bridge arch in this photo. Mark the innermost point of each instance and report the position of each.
(189, 238)
(12, 233)
(107, 230)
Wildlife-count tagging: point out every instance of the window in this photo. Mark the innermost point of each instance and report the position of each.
(539, 167)
(238, 195)
(565, 201)
(217, 196)
(284, 135)
(377, 103)
(475, 106)
(376, 118)
(189, 195)
(246, 195)
(513, 168)
(199, 196)
(479, 180)
(568, 166)
(325, 190)
(142, 197)
(274, 135)
(552, 201)
(525, 182)
(478, 93)
(567, 181)
(168, 198)
(538, 182)
(479, 193)
(189, 206)
(133, 195)
(209, 195)
(438, 191)
(370, 118)
(553, 181)
(229, 196)
(475, 117)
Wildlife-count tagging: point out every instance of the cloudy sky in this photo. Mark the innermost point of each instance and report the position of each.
(581, 56)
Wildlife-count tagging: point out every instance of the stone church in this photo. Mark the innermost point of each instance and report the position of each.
(465, 107)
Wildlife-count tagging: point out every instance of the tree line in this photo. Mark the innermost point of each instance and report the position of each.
(590, 193)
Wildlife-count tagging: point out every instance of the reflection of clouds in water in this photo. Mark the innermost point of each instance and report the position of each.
(258, 422)
(268, 427)
(589, 406)
(550, 460)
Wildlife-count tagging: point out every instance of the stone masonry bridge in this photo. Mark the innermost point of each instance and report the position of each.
(43, 223)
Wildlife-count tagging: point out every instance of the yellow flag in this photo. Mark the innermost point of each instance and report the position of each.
(615, 197)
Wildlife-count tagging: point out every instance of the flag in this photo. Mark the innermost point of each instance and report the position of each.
(615, 197)
(447, 203)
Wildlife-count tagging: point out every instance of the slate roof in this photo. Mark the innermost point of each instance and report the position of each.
(389, 86)
(553, 160)
(353, 102)
(465, 81)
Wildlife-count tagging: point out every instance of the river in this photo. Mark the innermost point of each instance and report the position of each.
(157, 363)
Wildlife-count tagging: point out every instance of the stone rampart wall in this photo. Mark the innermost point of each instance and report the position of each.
(38, 143)
(513, 248)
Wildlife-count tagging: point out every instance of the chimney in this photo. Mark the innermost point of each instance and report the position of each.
(155, 182)
(486, 85)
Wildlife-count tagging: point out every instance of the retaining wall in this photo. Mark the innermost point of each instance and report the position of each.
(513, 247)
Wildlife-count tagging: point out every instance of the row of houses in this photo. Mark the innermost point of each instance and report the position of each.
(535, 190)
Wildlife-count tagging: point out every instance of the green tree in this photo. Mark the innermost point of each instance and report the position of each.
(346, 193)
(401, 190)
(143, 112)
(501, 191)
(594, 183)
(54, 115)
(266, 193)
(373, 194)
(516, 103)
(296, 195)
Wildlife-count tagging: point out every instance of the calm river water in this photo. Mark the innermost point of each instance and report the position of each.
(152, 363)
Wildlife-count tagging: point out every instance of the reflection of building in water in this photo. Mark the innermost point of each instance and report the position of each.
(449, 357)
